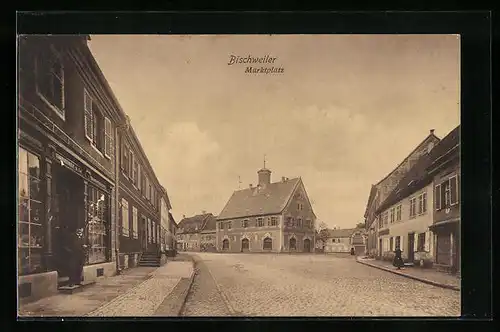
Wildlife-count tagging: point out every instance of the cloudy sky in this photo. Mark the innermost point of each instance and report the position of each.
(344, 112)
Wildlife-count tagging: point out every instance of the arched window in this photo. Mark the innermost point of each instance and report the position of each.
(268, 244)
(245, 244)
(225, 244)
(293, 244)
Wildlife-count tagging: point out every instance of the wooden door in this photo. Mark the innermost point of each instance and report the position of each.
(411, 247)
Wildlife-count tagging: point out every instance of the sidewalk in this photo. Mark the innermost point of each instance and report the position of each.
(428, 276)
(136, 292)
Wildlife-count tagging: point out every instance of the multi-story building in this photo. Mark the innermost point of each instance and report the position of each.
(275, 217)
(406, 215)
(139, 200)
(66, 159)
(445, 171)
(380, 191)
(167, 232)
(189, 231)
(208, 235)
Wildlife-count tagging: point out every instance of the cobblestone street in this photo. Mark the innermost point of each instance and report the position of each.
(309, 285)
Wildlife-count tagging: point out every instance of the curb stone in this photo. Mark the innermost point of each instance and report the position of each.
(188, 288)
(426, 281)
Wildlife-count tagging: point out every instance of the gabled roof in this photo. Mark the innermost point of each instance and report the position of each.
(418, 176)
(447, 145)
(373, 191)
(271, 199)
(339, 233)
(210, 224)
(194, 224)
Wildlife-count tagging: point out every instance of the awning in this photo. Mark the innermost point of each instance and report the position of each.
(444, 223)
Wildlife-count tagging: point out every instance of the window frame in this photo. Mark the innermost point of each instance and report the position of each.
(413, 207)
(56, 55)
(125, 231)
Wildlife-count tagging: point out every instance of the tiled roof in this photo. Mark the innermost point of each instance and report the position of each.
(373, 191)
(339, 233)
(210, 223)
(418, 176)
(194, 224)
(254, 201)
(448, 143)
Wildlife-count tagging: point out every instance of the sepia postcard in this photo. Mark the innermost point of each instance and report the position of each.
(239, 175)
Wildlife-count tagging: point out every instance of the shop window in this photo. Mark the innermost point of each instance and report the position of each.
(97, 226)
(30, 225)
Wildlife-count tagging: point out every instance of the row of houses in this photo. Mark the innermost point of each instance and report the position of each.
(268, 217)
(80, 165)
(350, 240)
(417, 206)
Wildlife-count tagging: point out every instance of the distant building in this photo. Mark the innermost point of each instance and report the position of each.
(273, 217)
(343, 241)
(189, 231)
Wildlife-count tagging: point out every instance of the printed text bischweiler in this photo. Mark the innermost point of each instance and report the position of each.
(267, 59)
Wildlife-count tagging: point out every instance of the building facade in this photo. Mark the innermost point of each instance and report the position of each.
(167, 231)
(67, 165)
(343, 241)
(446, 224)
(270, 217)
(194, 233)
(380, 191)
(139, 200)
(406, 217)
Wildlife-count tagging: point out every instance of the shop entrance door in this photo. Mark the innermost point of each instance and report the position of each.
(69, 215)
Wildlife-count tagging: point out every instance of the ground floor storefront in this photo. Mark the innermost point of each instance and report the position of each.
(447, 248)
(60, 194)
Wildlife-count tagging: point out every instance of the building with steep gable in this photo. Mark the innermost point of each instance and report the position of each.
(269, 217)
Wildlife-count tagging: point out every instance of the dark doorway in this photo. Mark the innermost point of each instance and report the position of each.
(307, 245)
(293, 244)
(144, 234)
(411, 247)
(245, 245)
(267, 244)
(380, 248)
(69, 213)
(225, 244)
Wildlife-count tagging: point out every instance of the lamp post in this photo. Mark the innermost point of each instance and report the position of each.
(119, 129)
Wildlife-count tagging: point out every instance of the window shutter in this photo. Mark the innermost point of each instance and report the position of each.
(88, 121)
(122, 154)
(438, 197)
(108, 137)
(139, 179)
(453, 191)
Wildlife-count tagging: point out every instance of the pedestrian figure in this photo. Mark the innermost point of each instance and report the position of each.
(76, 252)
(398, 260)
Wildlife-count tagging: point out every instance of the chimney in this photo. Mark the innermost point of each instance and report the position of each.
(264, 177)
(432, 131)
(283, 179)
(250, 186)
(203, 212)
(183, 216)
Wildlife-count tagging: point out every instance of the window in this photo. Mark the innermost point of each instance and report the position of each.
(97, 225)
(299, 222)
(225, 244)
(245, 223)
(88, 121)
(108, 137)
(385, 217)
(125, 218)
(391, 244)
(125, 159)
(267, 244)
(135, 165)
(413, 203)
(139, 177)
(149, 231)
(135, 233)
(274, 221)
(421, 242)
(30, 232)
(398, 243)
(97, 128)
(260, 222)
(309, 223)
(380, 221)
(447, 193)
(398, 213)
(437, 197)
(422, 203)
(143, 184)
(300, 206)
(229, 225)
(392, 215)
(289, 221)
(150, 191)
(50, 79)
